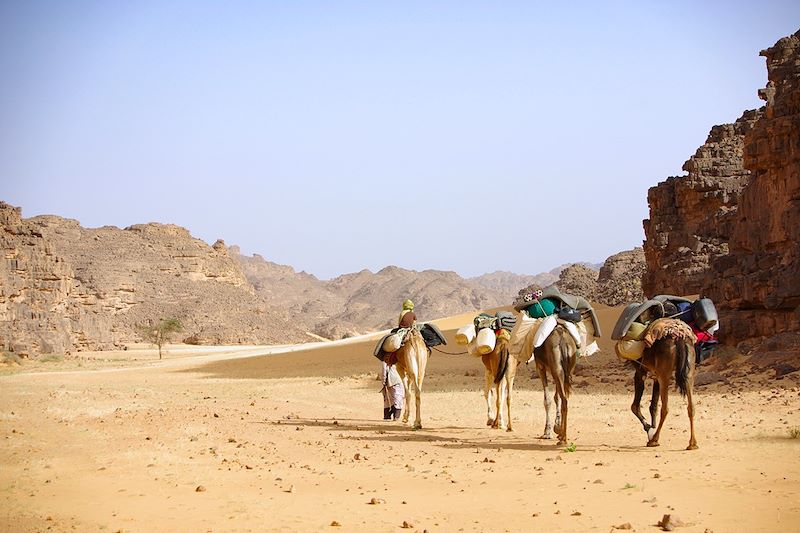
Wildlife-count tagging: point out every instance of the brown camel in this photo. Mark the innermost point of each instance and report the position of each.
(557, 356)
(501, 369)
(412, 358)
(667, 355)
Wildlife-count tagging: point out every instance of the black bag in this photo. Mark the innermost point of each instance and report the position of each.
(703, 350)
(432, 336)
(569, 314)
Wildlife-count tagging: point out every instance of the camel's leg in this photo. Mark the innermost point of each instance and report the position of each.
(510, 386)
(653, 406)
(422, 363)
(502, 394)
(548, 404)
(664, 410)
(407, 399)
(638, 390)
(489, 393)
(692, 440)
(557, 402)
(562, 429)
(416, 383)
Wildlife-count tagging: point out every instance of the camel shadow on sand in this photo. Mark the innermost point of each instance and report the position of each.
(450, 437)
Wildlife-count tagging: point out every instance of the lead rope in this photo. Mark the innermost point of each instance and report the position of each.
(448, 353)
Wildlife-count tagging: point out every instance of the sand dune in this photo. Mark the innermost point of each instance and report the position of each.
(245, 439)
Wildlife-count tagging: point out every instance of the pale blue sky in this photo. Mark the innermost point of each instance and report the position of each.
(337, 136)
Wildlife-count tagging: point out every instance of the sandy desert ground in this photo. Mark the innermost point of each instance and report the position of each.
(229, 439)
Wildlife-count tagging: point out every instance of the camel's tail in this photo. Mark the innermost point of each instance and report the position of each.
(502, 364)
(565, 356)
(682, 365)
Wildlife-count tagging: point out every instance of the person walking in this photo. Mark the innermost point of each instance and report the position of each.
(393, 392)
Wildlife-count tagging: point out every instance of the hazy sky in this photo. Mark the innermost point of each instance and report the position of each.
(336, 136)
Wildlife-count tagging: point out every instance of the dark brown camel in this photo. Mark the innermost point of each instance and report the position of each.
(557, 356)
(666, 356)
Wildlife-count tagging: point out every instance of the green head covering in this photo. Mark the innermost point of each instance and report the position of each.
(408, 305)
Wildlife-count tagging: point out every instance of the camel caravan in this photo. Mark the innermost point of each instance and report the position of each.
(660, 338)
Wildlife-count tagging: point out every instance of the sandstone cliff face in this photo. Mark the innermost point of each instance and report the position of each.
(758, 282)
(66, 288)
(44, 308)
(691, 216)
(730, 229)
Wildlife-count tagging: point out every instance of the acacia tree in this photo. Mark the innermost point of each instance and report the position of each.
(160, 333)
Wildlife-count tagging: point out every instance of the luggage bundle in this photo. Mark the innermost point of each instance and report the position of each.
(392, 341)
(637, 318)
(551, 300)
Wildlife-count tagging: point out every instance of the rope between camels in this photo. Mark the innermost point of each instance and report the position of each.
(448, 353)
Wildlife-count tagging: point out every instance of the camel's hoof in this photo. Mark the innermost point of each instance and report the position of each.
(561, 442)
(652, 444)
(546, 436)
(509, 429)
(692, 447)
(489, 422)
(417, 426)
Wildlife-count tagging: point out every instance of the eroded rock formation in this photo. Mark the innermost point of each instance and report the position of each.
(64, 287)
(690, 220)
(757, 285)
(731, 228)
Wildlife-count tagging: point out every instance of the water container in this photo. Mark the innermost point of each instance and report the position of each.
(393, 343)
(465, 335)
(705, 314)
(629, 349)
(485, 341)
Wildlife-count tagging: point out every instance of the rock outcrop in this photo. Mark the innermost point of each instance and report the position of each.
(731, 228)
(619, 280)
(64, 287)
(757, 285)
(690, 220)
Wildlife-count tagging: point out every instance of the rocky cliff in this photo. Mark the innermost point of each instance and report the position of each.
(757, 285)
(731, 228)
(690, 220)
(65, 287)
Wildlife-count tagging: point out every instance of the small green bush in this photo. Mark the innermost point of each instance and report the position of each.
(10, 358)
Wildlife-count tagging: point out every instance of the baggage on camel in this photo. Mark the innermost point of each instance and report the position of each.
(466, 334)
(576, 302)
(392, 341)
(666, 315)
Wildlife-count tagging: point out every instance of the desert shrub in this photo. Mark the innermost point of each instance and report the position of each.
(160, 332)
(794, 433)
(10, 358)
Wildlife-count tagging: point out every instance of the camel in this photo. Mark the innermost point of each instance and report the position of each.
(412, 358)
(665, 356)
(557, 356)
(501, 369)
